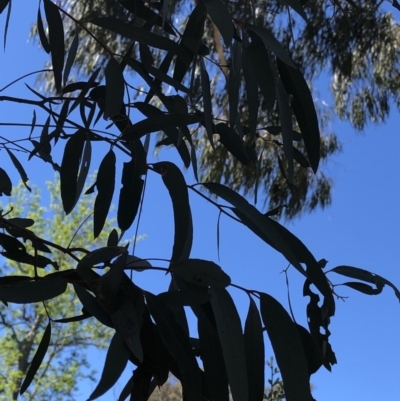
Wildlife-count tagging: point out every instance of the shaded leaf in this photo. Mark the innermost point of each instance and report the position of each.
(56, 40)
(232, 342)
(101, 255)
(300, 158)
(84, 168)
(139, 34)
(116, 361)
(304, 110)
(105, 183)
(178, 345)
(233, 143)
(364, 288)
(2, 6)
(234, 80)
(176, 185)
(172, 132)
(5, 183)
(255, 352)
(11, 245)
(221, 18)
(311, 351)
(115, 85)
(37, 359)
(69, 170)
(130, 195)
(184, 298)
(208, 116)
(113, 238)
(42, 34)
(92, 306)
(19, 168)
(202, 272)
(149, 125)
(135, 263)
(213, 360)
(296, 6)
(270, 41)
(365, 275)
(70, 58)
(33, 291)
(287, 347)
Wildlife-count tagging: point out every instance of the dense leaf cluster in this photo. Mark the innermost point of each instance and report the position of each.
(151, 331)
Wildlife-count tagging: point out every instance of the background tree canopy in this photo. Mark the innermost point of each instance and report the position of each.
(356, 42)
(242, 82)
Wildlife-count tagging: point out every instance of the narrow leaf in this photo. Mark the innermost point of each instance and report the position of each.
(270, 41)
(71, 57)
(5, 183)
(37, 359)
(115, 85)
(255, 353)
(56, 40)
(304, 110)
(69, 170)
(176, 185)
(105, 183)
(184, 298)
(33, 291)
(19, 168)
(232, 342)
(208, 116)
(287, 348)
(202, 272)
(84, 168)
(221, 18)
(116, 361)
(178, 345)
(42, 34)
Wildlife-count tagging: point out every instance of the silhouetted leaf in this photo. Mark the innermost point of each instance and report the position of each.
(71, 58)
(285, 116)
(4, 4)
(255, 353)
(296, 6)
(87, 86)
(139, 34)
(135, 263)
(178, 345)
(113, 238)
(202, 272)
(92, 306)
(36, 260)
(191, 40)
(19, 168)
(300, 158)
(42, 34)
(69, 170)
(56, 40)
(184, 298)
(365, 275)
(234, 81)
(208, 116)
(140, 10)
(136, 131)
(304, 110)
(233, 143)
(105, 183)
(84, 168)
(232, 342)
(37, 359)
(222, 19)
(172, 132)
(101, 255)
(364, 288)
(33, 291)
(116, 361)
(5, 183)
(127, 322)
(213, 360)
(115, 86)
(270, 41)
(130, 195)
(311, 351)
(287, 347)
(11, 245)
(176, 185)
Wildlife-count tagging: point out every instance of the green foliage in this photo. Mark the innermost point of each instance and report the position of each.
(85, 286)
(24, 325)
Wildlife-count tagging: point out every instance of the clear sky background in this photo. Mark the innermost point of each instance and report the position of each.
(361, 229)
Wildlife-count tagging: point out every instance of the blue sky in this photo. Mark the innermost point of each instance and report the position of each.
(361, 229)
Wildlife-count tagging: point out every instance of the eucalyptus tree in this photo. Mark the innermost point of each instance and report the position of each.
(150, 332)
